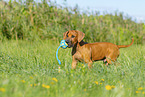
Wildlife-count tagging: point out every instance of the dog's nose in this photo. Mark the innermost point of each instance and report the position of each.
(67, 41)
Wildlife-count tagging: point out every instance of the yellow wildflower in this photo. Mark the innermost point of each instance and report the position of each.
(35, 84)
(108, 87)
(59, 69)
(100, 83)
(140, 88)
(96, 82)
(112, 86)
(102, 79)
(55, 79)
(31, 77)
(2, 90)
(22, 81)
(31, 85)
(43, 85)
(83, 65)
(52, 83)
(85, 89)
(137, 91)
(47, 86)
(142, 92)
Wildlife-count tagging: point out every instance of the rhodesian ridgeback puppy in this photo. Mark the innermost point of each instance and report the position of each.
(89, 52)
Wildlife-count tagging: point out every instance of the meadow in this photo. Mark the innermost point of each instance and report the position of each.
(30, 33)
(30, 69)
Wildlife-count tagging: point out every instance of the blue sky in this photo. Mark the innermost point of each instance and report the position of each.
(133, 8)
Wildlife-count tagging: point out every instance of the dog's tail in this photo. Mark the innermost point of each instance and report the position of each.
(124, 46)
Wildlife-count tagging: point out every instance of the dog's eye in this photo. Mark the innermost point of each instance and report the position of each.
(72, 36)
(67, 35)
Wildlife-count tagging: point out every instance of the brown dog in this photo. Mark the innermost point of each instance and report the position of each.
(89, 52)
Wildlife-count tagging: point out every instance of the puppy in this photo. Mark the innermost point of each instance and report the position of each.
(89, 52)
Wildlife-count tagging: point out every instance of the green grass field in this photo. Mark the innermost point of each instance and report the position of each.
(30, 69)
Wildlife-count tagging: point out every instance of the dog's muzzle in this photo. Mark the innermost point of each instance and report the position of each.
(69, 43)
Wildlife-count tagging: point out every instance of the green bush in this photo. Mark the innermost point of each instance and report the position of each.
(30, 20)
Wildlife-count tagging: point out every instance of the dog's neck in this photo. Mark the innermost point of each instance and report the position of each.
(82, 43)
(77, 46)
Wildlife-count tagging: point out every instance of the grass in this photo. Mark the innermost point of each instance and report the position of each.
(30, 69)
(28, 66)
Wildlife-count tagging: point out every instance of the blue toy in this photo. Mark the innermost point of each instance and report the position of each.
(64, 45)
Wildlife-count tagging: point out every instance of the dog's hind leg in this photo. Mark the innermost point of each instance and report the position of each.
(105, 62)
(110, 60)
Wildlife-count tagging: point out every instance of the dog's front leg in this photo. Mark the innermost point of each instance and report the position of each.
(74, 63)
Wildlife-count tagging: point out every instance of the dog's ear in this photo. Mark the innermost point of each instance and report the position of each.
(64, 34)
(81, 35)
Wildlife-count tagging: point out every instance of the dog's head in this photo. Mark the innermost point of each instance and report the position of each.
(73, 36)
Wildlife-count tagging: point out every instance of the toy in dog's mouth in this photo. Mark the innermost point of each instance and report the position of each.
(63, 45)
